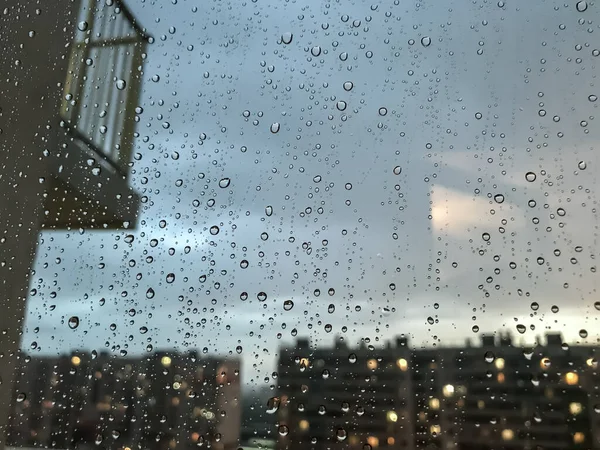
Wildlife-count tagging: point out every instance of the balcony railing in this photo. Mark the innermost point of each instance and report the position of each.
(103, 82)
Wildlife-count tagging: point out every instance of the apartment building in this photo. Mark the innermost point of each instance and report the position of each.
(71, 78)
(494, 395)
(345, 397)
(167, 400)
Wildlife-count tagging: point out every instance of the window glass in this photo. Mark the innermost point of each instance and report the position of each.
(297, 224)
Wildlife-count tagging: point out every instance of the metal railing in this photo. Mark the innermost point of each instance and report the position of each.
(103, 82)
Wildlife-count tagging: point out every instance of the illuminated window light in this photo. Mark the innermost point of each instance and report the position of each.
(571, 378)
(372, 364)
(165, 361)
(392, 416)
(402, 364)
(434, 403)
(500, 377)
(448, 390)
(304, 362)
(508, 434)
(175, 401)
(575, 408)
(75, 360)
(195, 436)
(353, 440)
(499, 363)
(480, 404)
(303, 425)
(373, 441)
(435, 430)
(391, 441)
(578, 437)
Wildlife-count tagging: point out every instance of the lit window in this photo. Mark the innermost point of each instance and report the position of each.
(353, 440)
(402, 364)
(434, 403)
(544, 363)
(391, 440)
(578, 437)
(194, 437)
(422, 416)
(571, 378)
(165, 361)
(373, 441)
(175, 401)
(304, 362)
(499, 363)
(508, 434)
(303, 425)
(549, 393)
(372, 364)
(481, 404)
(448, 390)
(575, 408)
(75, 360)
(435, 429)
(500, 377)
(392, 416)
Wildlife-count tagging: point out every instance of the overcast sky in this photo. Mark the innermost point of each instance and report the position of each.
(397, 180)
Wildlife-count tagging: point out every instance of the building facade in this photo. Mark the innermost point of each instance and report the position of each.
(165, 401)
(495, 395)
(71, 77)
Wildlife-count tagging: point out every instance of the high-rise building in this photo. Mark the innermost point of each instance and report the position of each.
(344, 397)
(168, 400)
(492, 396)
(71, 78)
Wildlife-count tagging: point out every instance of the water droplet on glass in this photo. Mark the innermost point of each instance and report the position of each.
(489, 357)
(287, 37)
(82, 26)
(348, 85)
(273, 405)
(261, 296)
(485, 236)
(341, 434)
(73, 322)
(316, 50)
(425, 41)
(341, 105)
(535, 306)
(530, 176)
(582, 165)
(283, 430)
(521, 328)
(583, 333)
(225, 182)
(352, 358)
(121, 84)
(275, 127)
(499, 198)
(397, 170)
(382, 111)
(214, 230)
(581, 5)
(288, 305)
(150, 293)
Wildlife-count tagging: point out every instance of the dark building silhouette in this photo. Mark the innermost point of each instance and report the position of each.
(493, 396)
(167, 400)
